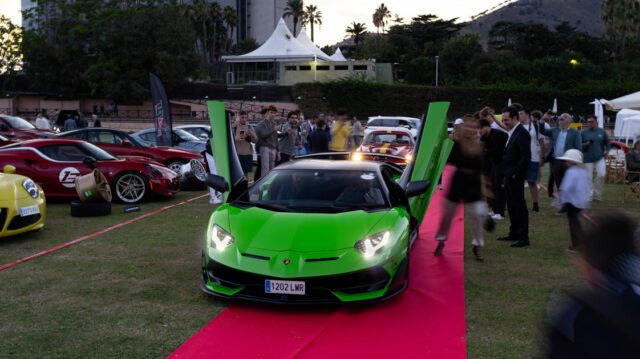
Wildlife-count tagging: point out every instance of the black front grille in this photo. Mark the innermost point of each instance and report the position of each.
(3, 216)
(363, 281)
(18, 222)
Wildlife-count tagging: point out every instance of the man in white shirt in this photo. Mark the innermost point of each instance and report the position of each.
(42, 122)
(533, 174)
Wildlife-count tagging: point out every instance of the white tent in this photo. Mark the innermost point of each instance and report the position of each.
(304, 39)
(630, 131)
(631, 101)
(282, 46)
(621, 130)
(338, 56)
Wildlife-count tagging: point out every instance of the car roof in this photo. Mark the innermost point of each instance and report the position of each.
(314, 164)
(393, 118)
(395, 130)
(192, 126)
(47, 141)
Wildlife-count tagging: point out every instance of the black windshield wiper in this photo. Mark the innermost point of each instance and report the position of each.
(270, 207)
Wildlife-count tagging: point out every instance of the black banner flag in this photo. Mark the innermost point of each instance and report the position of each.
(161, 112)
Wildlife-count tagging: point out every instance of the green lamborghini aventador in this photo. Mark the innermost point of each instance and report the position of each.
(315, 230)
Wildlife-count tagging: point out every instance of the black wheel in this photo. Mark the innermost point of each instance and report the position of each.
(96, 209)
(130, 187)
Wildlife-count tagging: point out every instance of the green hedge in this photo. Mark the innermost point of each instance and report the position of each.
(365, 99)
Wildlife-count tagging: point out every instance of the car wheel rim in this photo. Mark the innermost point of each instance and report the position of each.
(176, 167)
(130, 188)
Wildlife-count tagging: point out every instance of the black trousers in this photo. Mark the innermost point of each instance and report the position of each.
(517, 207)
(575, 229)
(497, 187)
(558, 169)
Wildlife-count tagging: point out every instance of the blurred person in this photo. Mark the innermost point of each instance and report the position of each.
(488, 114)
(340, 132)
(466, 187)
(289, 139)
(515, 165)
(82, 121)
(306, 127)
(70, 124)
(96, 120)
(42, 121)
(533, 175)
(595, 144)
(319, 138)
(215, 197)
(633, 163)
(573, 193)
(603, 319)
(267, 140)
(563, 138)
(494, 144)
(549, 122)
(244, 136)
(356, 133)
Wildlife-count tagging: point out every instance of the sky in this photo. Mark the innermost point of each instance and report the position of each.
(338, 14)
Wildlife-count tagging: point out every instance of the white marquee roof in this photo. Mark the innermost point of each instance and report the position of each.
(631, 101)
(338, 56)
(281, 45)
(304, 39)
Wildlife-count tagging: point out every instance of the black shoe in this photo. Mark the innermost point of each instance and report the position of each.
(439, 249)
(506, 238)
(520, 243)
(572, 249)
(477, 253)
(535, 208)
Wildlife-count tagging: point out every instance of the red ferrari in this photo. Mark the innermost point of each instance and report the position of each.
(5, 141)
(17, 128)
(120, 143)
(395, 142)
(55, 164)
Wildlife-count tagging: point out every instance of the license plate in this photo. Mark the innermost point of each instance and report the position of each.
(284, 287)
(27, 211)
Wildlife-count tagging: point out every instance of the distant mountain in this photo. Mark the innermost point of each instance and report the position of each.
(585, 15)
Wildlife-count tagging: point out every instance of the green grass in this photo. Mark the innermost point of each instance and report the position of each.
(134, 292)
(508, 295)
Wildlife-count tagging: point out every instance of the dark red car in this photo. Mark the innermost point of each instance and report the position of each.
(120, 143)
(17, 128)
(5, 141)
(55, 164)
(397, 143)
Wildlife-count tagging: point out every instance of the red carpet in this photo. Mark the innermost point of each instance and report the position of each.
(427, 320)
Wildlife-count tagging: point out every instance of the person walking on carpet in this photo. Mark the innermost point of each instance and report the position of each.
(466, 186)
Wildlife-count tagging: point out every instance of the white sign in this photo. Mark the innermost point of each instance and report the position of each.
(67, 177)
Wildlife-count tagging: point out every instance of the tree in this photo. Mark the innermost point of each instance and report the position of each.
(230, 17)
(357, 30)
(295, 10)
(312, 17)
(397, 19)
(622, 21)
(565, 28)
(245, 46)
(10, 47)
(381, 15)
(457, 54)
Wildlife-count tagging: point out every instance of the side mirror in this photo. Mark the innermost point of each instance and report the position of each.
(417, 188)
(217, 182)
(9, 169)
(89, 161)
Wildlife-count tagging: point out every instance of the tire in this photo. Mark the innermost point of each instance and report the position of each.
(130, 187)
(92, 209)
(175, 165)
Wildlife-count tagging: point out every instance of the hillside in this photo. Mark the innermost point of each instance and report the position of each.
(585, 15)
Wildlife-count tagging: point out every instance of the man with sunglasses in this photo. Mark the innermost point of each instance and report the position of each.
(595, 144)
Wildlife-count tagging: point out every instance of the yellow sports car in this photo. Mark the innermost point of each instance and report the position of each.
(22, 203)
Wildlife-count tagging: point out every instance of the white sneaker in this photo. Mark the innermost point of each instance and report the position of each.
(497, 217)
(490, 213)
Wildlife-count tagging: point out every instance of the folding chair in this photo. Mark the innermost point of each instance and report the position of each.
(631, 186)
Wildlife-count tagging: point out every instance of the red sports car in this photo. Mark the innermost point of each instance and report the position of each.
(390, 142)
(5, 141)
(17, 128)
(55, 164)
(120, 143)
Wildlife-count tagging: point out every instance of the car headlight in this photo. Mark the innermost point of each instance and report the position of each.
(30, 187)
(370, 245)
(220, 239)
(408, 157)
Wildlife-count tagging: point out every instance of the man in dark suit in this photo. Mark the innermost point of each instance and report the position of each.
(562, 138)
(515, 164)
(494, 143)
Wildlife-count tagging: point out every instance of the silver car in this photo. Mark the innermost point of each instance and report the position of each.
(181, 139)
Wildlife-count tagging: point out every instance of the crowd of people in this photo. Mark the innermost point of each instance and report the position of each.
(70, 123)
(496, 159)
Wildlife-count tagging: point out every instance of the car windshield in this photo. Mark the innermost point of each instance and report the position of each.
(184, 135)
(391, 138)
(316, 191)
(96, 152)
(19, 123)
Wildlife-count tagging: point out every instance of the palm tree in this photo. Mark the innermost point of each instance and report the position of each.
(383, 14)
(295, 9)
(397, 19)
(312, 16)
(377, 21)
(357, 30)
(230, 18)
(622, 20)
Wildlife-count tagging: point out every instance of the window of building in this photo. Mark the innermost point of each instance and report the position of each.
(360, 67)
(291, 68)
(305, 68)
(322, 67)
(341, 67)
